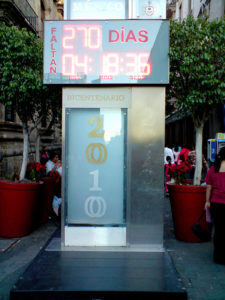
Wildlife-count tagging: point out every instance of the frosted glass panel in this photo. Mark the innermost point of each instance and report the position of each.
(95, 166)
(96, 9)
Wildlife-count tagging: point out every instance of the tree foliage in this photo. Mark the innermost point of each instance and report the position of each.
(21, 70)
(197, 66)
(197, 72)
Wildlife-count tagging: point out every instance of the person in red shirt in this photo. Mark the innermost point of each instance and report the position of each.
(215, 199)
(184, 151)
(167, 171)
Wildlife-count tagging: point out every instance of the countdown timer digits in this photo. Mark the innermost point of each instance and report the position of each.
(89, 37)
(98, 52)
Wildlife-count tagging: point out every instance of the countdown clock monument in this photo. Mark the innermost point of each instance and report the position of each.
(113, 74)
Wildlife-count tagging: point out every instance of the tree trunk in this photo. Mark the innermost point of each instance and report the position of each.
(198, 149)
(25, 152)
(37, 147)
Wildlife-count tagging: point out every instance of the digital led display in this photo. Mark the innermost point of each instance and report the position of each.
(106, 52)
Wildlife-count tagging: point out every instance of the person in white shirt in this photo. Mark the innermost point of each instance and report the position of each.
(53, 164)
(168, 152)
(176, 152)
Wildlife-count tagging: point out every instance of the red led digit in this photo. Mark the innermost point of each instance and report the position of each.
(144, 67)
(137, 64)
(68, 37)
(68, 64)
(94, 37)
(132, 64)
(85, 39)
(82, 47)
(82, 63)
(110, 64)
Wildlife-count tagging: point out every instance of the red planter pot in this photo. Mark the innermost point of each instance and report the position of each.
(187, 204)
(18, 205)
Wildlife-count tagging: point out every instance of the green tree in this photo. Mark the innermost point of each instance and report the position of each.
(49, 108)
(21, 63)
(197, 72)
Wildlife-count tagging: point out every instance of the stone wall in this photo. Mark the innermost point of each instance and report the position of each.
(45, 10)
(11, 146)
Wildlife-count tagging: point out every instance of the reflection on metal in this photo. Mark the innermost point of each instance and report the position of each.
(146, 170)
(95, 236)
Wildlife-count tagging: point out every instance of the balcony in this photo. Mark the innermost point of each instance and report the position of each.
(19, 12)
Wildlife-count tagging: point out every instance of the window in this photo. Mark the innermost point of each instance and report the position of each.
(9, 113)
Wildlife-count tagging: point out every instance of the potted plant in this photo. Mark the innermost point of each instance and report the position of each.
(18, 205)
(179, 173)
(197, 73)
(36, 172)
(19, 202)
(187, 203)
(20, 86)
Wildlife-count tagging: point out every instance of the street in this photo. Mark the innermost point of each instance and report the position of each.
(203, 279)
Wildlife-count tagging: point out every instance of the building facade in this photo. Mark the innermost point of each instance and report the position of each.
(31, 15)
(199, 8)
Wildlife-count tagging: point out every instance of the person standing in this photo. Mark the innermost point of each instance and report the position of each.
(168, 152)
(192, 160)
(184, 151)
(176, 152)
(215, 200)
(167, 171)
(54, 169)
(44, 155)
(54, 164)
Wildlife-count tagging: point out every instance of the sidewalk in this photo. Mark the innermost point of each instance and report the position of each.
(203, 279)
(17, 253)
